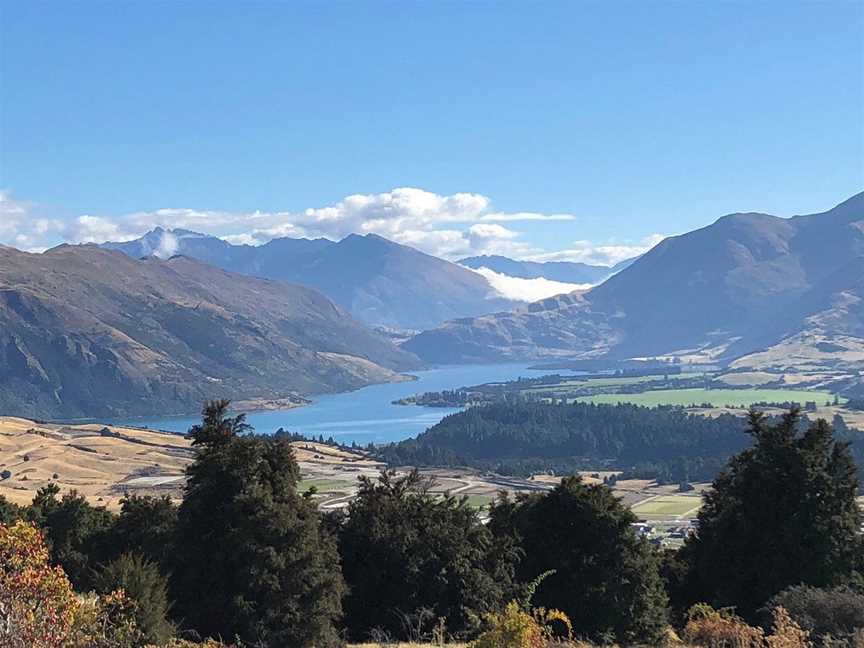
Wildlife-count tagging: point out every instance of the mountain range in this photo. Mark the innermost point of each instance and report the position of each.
(379, 282)
(740, 285)
(91, 332)
(562, 271)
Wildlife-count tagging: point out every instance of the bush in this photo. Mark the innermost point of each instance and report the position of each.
(141, 581)
(37, 602)
(39, 609)
(710, 628)
(837, 611)
(516, 627)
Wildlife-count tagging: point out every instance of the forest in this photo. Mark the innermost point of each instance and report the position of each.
(523, 437)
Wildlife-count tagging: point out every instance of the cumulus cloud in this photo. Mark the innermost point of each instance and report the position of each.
(600, 254)
(20, 227)
(527, 290)
(450, 226)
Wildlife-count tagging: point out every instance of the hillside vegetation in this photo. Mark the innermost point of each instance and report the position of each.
(91, 332)
(521, 438)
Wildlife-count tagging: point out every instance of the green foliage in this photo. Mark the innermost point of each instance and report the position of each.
(146, 526)
(253, 560)
(782, 513)
(521, 437)
(836, 612)
(141, 581)
(524, 437)
(10, 512)
(76, 532)
(605, 579)
(518, 627)
(404, 549)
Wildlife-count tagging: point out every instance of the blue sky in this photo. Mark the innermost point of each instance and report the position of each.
(607, 123)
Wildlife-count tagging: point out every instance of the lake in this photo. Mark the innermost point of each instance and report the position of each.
(366, 415)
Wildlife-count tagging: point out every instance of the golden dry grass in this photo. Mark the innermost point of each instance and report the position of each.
(105, 466)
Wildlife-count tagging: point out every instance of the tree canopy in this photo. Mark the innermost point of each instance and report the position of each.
(602, 576)
(405, 550)
(253, 557)
(783, 512)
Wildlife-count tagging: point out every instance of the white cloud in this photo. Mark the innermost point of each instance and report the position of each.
(450, 226)
(526, 216)
(20, 227)
(527, 290)
(431, 222)
(601, 254)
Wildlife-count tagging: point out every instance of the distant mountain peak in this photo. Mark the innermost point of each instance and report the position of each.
(377, 280)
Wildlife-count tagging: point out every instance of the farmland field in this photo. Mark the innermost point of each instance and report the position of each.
(325, 485)
(716, 397)
(611, 381)
(668, 506)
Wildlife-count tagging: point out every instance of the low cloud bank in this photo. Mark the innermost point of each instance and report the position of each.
(527, 290)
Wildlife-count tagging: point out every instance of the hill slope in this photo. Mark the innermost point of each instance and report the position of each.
(91, 332)
(378, 281)
(747, 281)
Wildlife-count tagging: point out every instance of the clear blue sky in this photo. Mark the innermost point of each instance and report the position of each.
(636, 117)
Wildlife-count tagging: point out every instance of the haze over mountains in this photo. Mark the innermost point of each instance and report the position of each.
(91, 332)
(563, 271)
(744, 283)
(378, 281)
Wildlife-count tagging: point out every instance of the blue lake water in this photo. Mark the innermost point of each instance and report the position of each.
(366, 415)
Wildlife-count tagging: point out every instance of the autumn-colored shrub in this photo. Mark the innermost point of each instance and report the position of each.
(787, 633)
(710, 628)
(37, 603)
(106, 621)
(39, 609)
(516, 627)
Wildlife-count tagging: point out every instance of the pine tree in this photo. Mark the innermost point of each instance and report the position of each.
(406, 551)
(604, 577)
(253, 558)
(782, 513)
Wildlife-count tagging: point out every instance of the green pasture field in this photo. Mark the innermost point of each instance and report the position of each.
(480, 501)
(324, 485)
(668, 506)
(716, 397)
(611, 381)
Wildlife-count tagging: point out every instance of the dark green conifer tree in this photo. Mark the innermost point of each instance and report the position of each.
(782, 513)
(605, 578)
(253, 560)
(146, 526)
(406, 551)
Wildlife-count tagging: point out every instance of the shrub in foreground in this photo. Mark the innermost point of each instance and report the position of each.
(141, 581)
(710, 628)
(836, 612)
